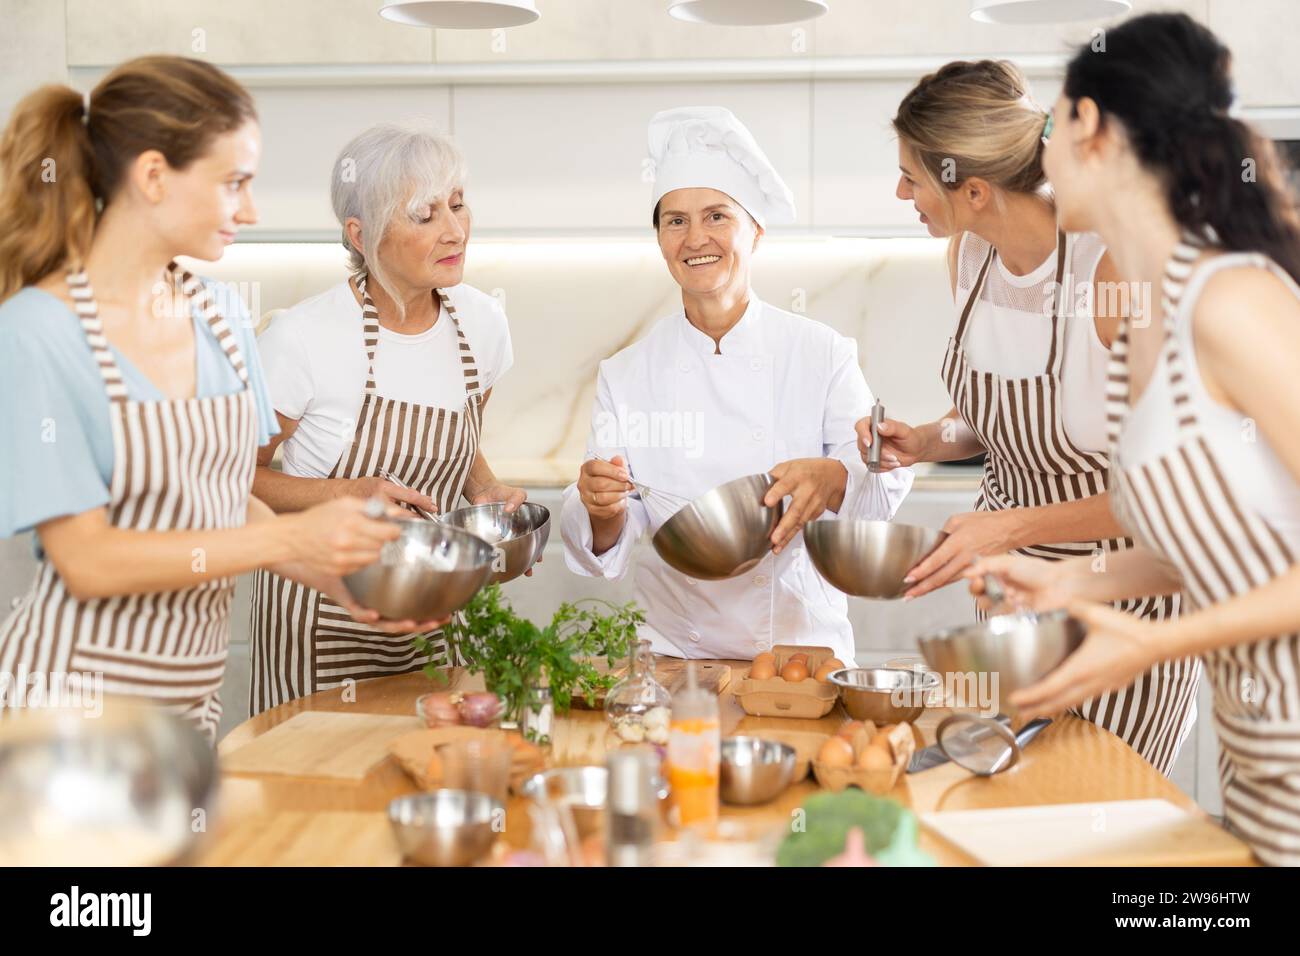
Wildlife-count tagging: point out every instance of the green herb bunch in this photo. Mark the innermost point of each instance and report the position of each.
(511, 651)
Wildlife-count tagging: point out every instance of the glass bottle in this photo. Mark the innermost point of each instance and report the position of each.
(638, 707)
(695, 754)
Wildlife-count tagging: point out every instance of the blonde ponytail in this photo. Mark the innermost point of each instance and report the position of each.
(47, 203)
(975, 119)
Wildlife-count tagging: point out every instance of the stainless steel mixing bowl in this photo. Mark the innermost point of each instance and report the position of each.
(430, 571)
(884, 695)
(868, 558)
(446, 827)
(1019, 648)
(754, 770)
(518, 537)
(723, 533)
(125, 788)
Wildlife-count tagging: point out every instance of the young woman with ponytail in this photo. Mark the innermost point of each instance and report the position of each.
(1025, 366)
(133, 401)
(1203, 406)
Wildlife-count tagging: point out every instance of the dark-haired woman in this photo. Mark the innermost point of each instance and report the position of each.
(133, 402)
(1203, 405)
(1025, 366)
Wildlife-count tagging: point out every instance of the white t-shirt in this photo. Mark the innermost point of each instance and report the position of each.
(315, 361)
(1010, 332)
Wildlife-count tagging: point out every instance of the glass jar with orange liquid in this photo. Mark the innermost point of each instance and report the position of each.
(694, 753)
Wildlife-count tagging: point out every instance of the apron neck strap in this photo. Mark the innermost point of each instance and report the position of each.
(198, 294)
(370, 333)
(1178, 271)
(1056, 357)
(964, 322)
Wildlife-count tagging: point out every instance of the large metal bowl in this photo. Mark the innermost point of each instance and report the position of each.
(884, 695)
(124, 788)
(582, 790)
(754, 770)
(723, 533)
(868, 558)
(445, 827)
(518, 537)
(430, 571)
(1018, 648)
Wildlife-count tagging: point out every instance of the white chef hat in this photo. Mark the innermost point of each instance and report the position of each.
(706, 146)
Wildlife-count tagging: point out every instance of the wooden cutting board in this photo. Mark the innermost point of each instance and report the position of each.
(1115, 833)
(295, 838)
(321, 744)
(670, 672)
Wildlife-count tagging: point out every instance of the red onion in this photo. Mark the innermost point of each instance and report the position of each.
(480, 710)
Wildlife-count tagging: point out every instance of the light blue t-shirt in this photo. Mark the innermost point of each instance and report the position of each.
(56, 442)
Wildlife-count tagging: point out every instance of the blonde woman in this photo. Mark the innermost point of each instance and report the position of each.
(1025, 366)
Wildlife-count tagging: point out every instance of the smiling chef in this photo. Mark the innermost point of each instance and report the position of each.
(726, 386)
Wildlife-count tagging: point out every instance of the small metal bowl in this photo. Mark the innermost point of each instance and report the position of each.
(430, 572)
(721, 534)
(445, 827)
(518, 537)
(755, 770)
(868, 558)
(582, 790)
(117, 788)
(884, 695)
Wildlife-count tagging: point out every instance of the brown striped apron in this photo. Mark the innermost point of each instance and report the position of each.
(1032, 462)
(178, 464)
(302, 641)
(1179, 505)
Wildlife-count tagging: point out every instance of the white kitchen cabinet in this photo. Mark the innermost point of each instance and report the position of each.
(1261, 35)
(571, 157)
(239, 32)
(303, 129)
(32, 48)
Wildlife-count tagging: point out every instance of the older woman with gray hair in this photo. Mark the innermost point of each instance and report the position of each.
(385, 374)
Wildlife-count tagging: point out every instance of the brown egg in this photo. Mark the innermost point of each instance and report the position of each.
(874, 757)
(795, 671)
(798, 656)
(827, 668)
(767, 656)
(836, 752)
(881, 737)
(762, 670)
(849, 729)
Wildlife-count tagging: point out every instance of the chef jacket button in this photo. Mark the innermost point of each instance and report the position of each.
(796, 553)
(758, 434)
(756, 364)
(694, 636)
(684, 367)
(760, 580)
(762, 645)
(15, 602)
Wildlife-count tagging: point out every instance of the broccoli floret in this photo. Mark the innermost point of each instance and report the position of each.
(820, 831)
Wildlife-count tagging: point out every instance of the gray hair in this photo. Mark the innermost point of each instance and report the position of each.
(391, 169)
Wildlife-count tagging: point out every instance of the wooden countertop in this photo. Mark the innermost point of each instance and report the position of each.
(270, 818)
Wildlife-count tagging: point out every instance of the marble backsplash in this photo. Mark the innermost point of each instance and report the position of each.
(574, 302)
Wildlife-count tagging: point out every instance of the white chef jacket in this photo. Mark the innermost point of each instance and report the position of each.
(687, 420)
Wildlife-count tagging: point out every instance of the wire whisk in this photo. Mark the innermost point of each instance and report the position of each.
(662, 504)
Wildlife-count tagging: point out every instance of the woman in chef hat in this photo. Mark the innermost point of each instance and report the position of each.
(768, 391)
(1035, 316)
